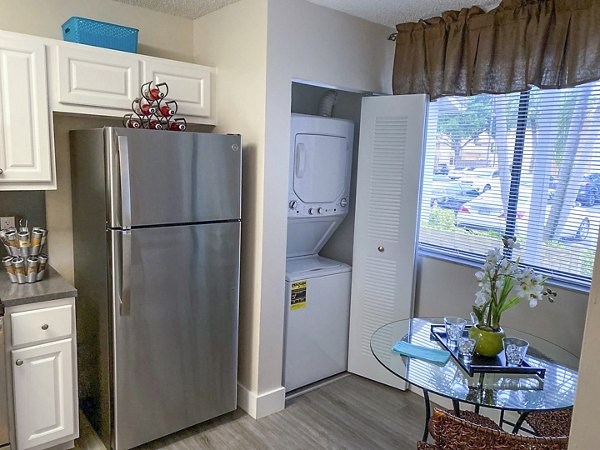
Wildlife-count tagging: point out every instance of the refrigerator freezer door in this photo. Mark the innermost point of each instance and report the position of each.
(163, 177)
(175, 348)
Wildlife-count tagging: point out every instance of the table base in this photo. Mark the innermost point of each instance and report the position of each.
(456, 406)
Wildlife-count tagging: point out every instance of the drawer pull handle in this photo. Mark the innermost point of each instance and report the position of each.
(19, 362)
(45, 326)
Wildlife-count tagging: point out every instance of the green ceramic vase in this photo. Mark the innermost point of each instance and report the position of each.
(489, 343)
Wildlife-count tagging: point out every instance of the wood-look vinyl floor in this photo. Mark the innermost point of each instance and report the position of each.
(349, 413)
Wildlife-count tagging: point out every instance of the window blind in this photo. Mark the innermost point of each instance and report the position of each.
(524, 165)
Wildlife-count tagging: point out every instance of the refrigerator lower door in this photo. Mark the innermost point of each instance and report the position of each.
(175, 313)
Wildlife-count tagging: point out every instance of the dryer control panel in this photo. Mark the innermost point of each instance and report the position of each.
(320, 166)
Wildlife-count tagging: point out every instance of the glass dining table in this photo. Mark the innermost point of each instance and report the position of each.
(522, 393)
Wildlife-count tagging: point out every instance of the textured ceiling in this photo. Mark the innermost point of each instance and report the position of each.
(393, 12)
(386, 12)
(184, 8)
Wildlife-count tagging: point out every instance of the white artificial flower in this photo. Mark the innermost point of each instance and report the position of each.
(497, 269)
(481, 298)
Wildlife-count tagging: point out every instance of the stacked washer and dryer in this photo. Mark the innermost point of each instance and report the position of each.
(317, 299)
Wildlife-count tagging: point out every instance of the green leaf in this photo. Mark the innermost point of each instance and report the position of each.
(509, 304)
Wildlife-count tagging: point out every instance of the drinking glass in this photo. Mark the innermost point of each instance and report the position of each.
(514, 350)
(466, 348)
(455, 326)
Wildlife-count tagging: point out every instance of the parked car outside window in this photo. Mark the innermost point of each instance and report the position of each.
(451, 195)
(589, 190)
(486, 212)
(482, 179)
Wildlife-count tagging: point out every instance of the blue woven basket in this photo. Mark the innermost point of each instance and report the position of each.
(100, 34)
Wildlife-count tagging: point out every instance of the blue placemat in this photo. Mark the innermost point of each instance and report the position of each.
(424, 353)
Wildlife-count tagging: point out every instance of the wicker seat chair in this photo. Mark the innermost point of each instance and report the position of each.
(453, 433)
(550, 423)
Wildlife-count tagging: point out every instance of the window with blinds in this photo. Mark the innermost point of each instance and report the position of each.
(525, 165)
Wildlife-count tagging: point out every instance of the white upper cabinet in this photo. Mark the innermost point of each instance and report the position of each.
(105, 82)
(40, 76)
(96, 77)
(189, 84)
(26, 146)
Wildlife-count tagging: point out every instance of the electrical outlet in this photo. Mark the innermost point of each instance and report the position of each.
(7, 222)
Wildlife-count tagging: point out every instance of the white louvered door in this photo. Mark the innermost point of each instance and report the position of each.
(385, 231)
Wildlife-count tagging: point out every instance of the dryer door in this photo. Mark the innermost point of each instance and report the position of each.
(320, 167)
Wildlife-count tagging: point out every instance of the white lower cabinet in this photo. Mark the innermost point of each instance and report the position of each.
(41, 352)
(43, 390)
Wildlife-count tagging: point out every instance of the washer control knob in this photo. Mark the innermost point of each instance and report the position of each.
(344, 202)
(293, 204)
(320, 210)
(311, 211)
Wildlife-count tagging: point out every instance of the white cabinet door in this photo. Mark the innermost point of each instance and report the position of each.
(26, 152)
(43, 391)
(189, 84)
(385, 229)
(96, 77)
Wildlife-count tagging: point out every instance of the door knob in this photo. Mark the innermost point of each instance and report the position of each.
(19, 362)
(1, 171)
(45, 326)
(380, 248)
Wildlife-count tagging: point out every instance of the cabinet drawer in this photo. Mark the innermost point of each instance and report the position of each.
(37, 325)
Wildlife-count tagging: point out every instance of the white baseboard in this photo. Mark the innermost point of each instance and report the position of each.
(261, 405)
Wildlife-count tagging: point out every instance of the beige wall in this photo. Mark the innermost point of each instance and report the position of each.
(584, 428)
(256, 62)
(160, 34)
(316, 44)
(446, 288)
(234, 40)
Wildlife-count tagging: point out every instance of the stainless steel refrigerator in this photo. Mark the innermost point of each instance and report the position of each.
(156, 225)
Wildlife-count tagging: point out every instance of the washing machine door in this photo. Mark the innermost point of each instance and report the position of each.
(320, 167)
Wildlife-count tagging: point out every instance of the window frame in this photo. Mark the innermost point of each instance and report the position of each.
(567, 280)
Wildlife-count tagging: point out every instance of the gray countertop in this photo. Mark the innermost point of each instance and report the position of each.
(52, 287)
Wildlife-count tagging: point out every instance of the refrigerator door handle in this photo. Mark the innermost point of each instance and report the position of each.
(125, 305)
(123, 150)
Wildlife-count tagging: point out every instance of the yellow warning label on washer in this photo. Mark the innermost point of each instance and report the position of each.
(298, 300)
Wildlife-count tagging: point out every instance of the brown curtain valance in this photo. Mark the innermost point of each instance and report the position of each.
(545, 43)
